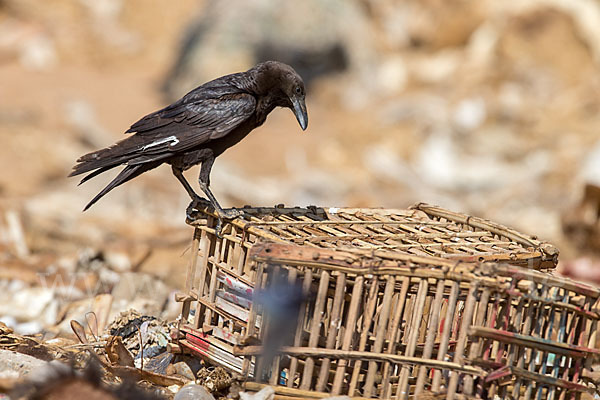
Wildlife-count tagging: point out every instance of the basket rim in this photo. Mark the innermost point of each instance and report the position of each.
(532, 249)
(378, 262)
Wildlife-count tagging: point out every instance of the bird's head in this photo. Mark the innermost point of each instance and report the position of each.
(287, 88)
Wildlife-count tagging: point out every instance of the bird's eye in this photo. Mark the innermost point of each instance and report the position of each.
(298, 90)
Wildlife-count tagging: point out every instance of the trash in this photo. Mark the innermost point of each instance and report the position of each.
(266, 393)
(117, 353)
(193, 392)
(214, 379)
(133, 328)
(159, 364)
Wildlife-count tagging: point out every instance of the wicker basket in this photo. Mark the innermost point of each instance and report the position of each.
(397, 328)
(397, 304)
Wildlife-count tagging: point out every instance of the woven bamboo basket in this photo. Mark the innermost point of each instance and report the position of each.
(391, 328)
(397, 304)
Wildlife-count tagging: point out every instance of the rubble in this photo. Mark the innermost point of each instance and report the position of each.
(266, 393)
(15, 365)
(193, 392)
(214, 379)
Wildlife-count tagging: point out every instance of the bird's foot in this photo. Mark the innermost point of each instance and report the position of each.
(231, 213)
(196, 205)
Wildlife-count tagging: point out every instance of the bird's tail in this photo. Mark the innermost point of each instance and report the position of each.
(128, 173)
(103, 159)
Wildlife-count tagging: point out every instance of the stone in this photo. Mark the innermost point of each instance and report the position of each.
(15, 365)
(266, 393)
(193, 392)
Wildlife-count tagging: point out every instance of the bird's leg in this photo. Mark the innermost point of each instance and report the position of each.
(197, 201)
(204, 182)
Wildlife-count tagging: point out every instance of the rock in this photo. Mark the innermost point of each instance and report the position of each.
(26, 304)
(38, 53)
(48, 372)
(139, 291)
(193, 392)
(590, 170)
(470, 113)
(15, 365)
(435, 69)
(99, 305)
(172, 309)
(29, 328)
(118, 262)
(266, 393)
(392, 75)
(181, 368)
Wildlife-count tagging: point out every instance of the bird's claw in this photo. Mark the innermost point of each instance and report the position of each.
(232, 213)
(196, 205)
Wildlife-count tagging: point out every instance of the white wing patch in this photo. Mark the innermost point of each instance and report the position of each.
(172, 139)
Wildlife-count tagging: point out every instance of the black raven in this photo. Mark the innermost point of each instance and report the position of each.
(199, 127)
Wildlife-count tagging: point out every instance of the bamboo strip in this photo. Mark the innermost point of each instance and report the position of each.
(251, 329)
(549, 323)
(445, 338)
(334, 326)
(412, 338)
(191, 273)
(533, 342)
(298, 393)
(480, 223)
(467, 320)
(380, 334)
(300, 326)
(205, 245)
(212, 288)
(367, 319)
(274, 373)
(523, 353)
(349, 330)
(432, 328)
(393, 332)
(341, 355)
(315, 328)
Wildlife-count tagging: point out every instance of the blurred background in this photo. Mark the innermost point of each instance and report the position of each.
(485, 107)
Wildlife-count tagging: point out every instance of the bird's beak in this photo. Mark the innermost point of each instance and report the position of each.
(300, 112)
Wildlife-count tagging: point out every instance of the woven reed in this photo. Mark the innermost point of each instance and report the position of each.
(400, 305)
(422, 230)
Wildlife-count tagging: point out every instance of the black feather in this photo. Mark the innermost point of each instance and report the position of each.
(125, 175)
(95, 173)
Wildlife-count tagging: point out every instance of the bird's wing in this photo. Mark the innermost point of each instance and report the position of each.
(190, 123)
(202, 115)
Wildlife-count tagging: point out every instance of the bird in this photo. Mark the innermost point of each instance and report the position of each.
(199, 127)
